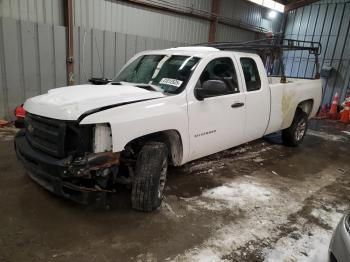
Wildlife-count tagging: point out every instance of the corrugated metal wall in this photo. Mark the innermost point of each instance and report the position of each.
(229, 33)
(329, 23)
(118, 16)
(32, 60)
(40, 11)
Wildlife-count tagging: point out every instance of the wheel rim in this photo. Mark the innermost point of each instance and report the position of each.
(162, 178)
(300, 130)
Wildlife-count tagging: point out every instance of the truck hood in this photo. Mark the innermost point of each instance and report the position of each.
(69, 103)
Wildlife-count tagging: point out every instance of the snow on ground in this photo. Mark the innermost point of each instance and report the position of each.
(235, 195)
(313, 243)
(311, 247)
(254, 154)
(253, 203)
(328, 217)
(232, 196)
(259, 211)
(327, 136)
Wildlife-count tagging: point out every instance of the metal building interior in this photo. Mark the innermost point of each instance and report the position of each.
(259, 201)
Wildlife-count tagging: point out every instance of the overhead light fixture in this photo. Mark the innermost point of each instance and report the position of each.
(272, 14)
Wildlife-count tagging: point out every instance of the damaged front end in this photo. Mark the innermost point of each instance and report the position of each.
(95, 171)
(72, 161)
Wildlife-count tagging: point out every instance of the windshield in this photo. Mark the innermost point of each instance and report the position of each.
(167, 72)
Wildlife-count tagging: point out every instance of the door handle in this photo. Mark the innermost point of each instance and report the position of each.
(238, 104)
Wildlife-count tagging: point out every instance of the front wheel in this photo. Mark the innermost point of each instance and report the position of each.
(150, 175)
(295, 134)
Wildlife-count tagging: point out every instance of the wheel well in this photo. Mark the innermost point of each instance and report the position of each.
(171, 138)
(306, 106)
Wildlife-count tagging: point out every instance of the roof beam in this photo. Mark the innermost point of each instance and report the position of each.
(297, 4)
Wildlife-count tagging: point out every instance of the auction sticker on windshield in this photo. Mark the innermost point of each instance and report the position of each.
(171, 82)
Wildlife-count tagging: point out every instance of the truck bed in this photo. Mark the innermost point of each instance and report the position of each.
(285, 97)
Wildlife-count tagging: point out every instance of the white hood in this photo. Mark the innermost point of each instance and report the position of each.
(69, 103)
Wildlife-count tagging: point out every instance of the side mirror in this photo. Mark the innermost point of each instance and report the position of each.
(210, 88)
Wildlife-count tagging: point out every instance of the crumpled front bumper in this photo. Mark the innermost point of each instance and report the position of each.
(48, 172)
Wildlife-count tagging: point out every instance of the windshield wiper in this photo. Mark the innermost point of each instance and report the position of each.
(148, 87)
(116, 83)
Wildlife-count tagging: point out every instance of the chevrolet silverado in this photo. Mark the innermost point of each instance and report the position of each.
(165, 107)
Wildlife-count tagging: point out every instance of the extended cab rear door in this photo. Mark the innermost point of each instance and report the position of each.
(257, 93)
(217, 122)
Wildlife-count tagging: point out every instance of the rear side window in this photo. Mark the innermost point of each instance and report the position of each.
(251, 74)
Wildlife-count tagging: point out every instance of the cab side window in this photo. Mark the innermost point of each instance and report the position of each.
(251, 74)
(221, 69)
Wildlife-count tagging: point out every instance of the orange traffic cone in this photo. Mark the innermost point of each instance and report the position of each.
(20, 112)
(333, 113)
(345, 115)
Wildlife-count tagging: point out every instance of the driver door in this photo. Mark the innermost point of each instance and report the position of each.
(217, 122)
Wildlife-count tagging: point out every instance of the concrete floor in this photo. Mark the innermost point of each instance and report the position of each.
(261, 201)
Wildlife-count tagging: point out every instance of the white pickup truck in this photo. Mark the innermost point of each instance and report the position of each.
(165, 107)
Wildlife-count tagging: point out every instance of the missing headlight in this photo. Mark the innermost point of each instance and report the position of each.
(102, 138)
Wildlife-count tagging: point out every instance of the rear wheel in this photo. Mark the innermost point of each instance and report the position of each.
(150, 176)
(295, 134)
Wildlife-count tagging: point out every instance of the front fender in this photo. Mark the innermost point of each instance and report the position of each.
(132, 121)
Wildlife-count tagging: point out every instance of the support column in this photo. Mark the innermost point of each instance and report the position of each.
(215, 8)
(68, 16)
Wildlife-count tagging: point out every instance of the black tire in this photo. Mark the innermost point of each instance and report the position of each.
(150, 175)
(295, 134)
